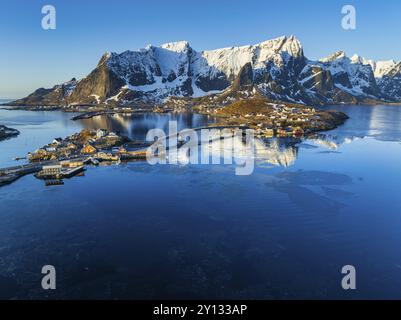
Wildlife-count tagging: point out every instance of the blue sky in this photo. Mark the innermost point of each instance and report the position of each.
(31, 57)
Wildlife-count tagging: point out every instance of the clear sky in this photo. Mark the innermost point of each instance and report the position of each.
(31, 57)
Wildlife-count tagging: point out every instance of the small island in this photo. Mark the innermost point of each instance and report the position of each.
(270, 119)
(6, 133)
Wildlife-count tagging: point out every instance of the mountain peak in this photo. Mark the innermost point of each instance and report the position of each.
(178, 46)
(358, 59)
(290, 44)
(335, 56)
(292, 39)
(380, 68)
(105, 57)
(293, 46)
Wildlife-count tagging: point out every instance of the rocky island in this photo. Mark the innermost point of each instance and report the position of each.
(6, 133)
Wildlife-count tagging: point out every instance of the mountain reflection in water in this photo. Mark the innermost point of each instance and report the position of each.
(139, 231)
(136, 126)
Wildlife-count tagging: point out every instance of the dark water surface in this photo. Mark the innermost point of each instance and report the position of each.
(141, 231)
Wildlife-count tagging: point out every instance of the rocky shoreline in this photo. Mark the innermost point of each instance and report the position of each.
(6, 133)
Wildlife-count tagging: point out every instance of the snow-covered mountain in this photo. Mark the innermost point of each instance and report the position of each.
(276, 69)
(351, 75)
(389, 81)
(380, 68)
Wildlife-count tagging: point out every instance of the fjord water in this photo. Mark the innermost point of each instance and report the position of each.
(141, 231)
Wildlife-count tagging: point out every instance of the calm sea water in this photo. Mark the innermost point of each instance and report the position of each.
(141, 231)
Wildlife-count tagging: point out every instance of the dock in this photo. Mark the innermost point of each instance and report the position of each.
(11, 174)
(57, 172)
(69, 173)
(133, 155)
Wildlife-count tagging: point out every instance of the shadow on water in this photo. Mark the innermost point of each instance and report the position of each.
(319, 199)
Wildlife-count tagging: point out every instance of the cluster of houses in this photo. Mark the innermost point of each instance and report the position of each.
(206, 109)
(66, 158)
(174, 104)
(269, 131)
(276, 120)
(284, 121)
(96, 143)
(159, 109)
(171, 108)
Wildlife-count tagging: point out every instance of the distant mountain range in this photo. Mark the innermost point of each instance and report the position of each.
(275, 69)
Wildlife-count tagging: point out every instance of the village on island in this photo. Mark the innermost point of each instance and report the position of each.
(269, 119)
(65, 158)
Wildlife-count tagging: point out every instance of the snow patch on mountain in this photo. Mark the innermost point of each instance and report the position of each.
(380, 68)
(231, 60)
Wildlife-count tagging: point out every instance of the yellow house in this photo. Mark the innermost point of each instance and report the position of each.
(298, 131)
(106, 156)
(71, 146)
(71, 163)
(88, 149)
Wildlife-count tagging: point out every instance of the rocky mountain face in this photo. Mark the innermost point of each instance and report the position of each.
(54, 96)
(390, 82)
(275, 69)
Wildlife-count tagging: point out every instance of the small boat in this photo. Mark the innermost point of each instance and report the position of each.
(94, 161)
